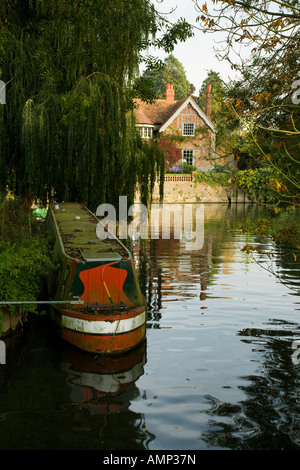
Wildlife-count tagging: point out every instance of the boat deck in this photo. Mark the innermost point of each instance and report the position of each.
(77, 226)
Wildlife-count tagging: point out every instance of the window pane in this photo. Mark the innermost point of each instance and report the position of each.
(188, 128)
(146, 132)
(188, 156)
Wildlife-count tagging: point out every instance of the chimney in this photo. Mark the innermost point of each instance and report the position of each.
(170, 93)
(208, 101)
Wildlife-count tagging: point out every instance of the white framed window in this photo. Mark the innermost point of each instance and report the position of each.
(188, 128)
(188, 156)
(146, 132)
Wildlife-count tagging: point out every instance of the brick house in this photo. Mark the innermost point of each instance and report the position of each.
(189, 126)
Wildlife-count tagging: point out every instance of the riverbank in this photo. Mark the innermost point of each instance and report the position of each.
(24, 263)
(221, 186)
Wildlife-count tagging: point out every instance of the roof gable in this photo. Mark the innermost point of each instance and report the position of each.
(192, 102)
(161, 113)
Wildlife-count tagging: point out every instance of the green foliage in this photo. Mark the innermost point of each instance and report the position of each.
(151, 168)
(174, 33)
(70, 66)
(144, 89)
(226, 124)
(188, 169)
(214, 178)
(286, 228)
(263, 102)
(22, 266)
(170, 71)
(266, 100)
(266, 96)
(184, 169)
(261, 184)
(24, 257)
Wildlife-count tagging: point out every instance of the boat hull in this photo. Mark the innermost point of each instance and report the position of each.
(100, 307)
(103, 333)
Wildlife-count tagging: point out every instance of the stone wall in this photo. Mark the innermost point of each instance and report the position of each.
(182, 189)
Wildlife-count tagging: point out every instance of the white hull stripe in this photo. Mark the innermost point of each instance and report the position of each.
(103, 327)
(107, 383)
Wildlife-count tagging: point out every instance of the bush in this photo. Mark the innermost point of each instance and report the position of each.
(261, 184)
(24, 257)
(214, 178)
(188, 169)
(22, 266)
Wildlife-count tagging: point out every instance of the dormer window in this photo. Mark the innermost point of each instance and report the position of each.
(146, 131)
(188, 128)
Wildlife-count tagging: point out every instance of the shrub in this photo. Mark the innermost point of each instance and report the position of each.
(24, 257)
(261, 184)
(188, 169)
(213, 178)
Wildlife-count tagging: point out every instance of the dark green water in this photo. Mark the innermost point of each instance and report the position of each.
(217, 370)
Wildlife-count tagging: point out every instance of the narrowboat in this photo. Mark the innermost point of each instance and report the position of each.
(96, 301)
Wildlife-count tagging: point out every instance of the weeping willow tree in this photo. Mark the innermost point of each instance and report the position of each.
(67, 131)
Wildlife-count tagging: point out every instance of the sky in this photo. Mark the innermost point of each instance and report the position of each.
(197, 54)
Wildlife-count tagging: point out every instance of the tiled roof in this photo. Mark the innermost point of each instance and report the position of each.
(156, 113)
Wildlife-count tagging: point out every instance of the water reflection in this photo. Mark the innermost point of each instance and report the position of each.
(105, 386)
(216, 371)
(215, 280)
(166, 268)
(55, 397)
(268, 417)
(96, 382)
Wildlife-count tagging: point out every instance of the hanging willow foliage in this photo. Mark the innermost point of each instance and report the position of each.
(3, 148)
(69, 127)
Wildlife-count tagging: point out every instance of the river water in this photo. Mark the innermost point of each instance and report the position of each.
(217, 371)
